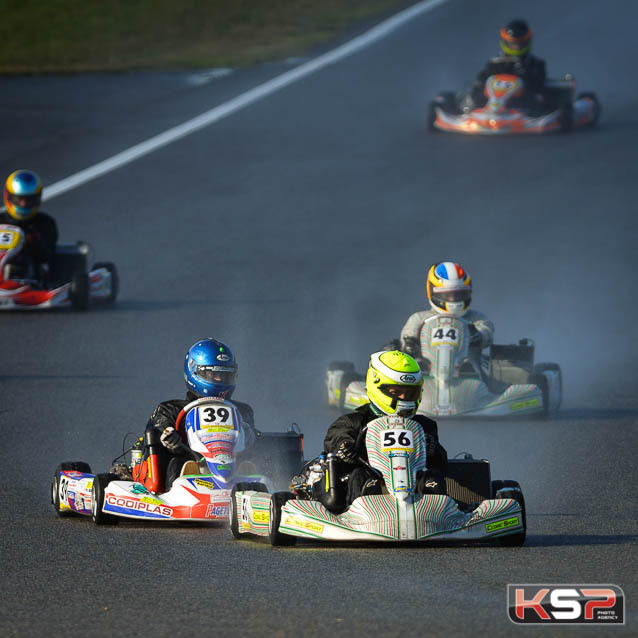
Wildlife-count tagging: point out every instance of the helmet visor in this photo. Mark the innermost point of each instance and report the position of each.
(214, 374)
(452, 296)
(401, 392)
(24, 201)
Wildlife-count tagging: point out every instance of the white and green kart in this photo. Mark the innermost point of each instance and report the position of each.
(396, 450)
(459, 383)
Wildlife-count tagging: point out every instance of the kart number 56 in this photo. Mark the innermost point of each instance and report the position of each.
(398, 440)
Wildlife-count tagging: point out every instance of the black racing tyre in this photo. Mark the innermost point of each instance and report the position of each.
(496, 486)
(541, 381)
(115, 279)
(79, 291)
(511, 489)
(566, 117)
(233, 514)
(597, 107)
(77, 466)
(99, 486)
(277, 501)
(540, 368)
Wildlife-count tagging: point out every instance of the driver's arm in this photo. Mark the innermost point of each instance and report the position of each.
(485, 329)
(342, 436)
(410, 333)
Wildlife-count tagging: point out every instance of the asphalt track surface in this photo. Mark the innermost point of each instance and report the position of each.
(299, 230)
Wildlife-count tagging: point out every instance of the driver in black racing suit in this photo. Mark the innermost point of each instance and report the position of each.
(516, 44)
(22, 197)
(393, 385)
(209, 371)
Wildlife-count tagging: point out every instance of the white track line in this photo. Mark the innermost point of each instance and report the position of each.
(239, 102)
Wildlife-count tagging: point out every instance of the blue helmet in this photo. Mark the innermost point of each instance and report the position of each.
(22, 194)
(210, 369)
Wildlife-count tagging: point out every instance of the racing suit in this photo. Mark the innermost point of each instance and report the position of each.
(481, 333)
(165, 415)
(40, 238)
(530, 69)
(362, 480)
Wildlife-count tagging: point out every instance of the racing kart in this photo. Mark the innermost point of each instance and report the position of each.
(501, 115)
(460, 382)
(135, 490)
(475, 509)
(25, 286)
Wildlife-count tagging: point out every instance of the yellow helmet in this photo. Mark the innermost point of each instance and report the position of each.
(394, 383)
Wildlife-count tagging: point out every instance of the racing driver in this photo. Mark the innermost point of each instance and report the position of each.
(515, 59)
(393, 385)
(209, 371)
(22, 198)
(449, 289)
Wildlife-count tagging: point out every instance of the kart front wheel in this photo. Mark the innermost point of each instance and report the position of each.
(98, 493)
(73, 466)
(596, 106)
(233, 515)
(277, 501)
(511, 489)
(115, 279)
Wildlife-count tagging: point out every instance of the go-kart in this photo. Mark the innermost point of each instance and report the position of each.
(24, 286)
(501, 114)
(475, 508)
(461, 383)
(213, 431)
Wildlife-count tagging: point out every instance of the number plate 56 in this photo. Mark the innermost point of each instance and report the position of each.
(398, 440)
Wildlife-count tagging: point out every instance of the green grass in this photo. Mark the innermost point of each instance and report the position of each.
(39, 36)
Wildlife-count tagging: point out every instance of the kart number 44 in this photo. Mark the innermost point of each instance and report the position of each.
(445, 337)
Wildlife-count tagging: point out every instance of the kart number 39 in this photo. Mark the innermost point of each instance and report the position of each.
(445, 336)
(398, 440)
(209, 415)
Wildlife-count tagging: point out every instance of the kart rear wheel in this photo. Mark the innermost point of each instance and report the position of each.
(79, 291)
(76, 466)
(233, 515)
(540, 380)
(99, 486)
(597, 108)
(115, 279)
(511, 489)
(554, 376)
(277, 501)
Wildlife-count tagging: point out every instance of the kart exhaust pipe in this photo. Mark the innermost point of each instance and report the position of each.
(149, 472)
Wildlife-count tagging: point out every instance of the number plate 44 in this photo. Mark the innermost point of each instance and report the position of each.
(445, 337)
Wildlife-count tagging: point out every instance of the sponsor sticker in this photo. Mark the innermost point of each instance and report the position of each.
(147, 504)
(292, 521)
(522, 405)
(261, 516)
(508, 522)
(217, 511)
(205, 483)
(566, 604)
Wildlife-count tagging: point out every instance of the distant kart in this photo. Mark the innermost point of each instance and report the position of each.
(475, 508)
(500, 116)
(68, 284)
(458, 383)
(202, 491)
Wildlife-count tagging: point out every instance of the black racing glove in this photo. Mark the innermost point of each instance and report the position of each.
(475, 337)
(171, 439)
(412, 346)
(430, 446)
(347, 452)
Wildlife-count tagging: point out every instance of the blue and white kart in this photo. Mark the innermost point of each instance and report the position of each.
(216, 434)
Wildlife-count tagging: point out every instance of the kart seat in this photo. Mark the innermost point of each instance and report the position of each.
(190, 467)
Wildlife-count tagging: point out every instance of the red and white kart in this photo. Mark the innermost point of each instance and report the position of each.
(67, 284)
(560, 112)
(214, 432)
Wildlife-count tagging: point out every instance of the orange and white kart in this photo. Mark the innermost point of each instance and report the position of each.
(24, 287)
(502, 116)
